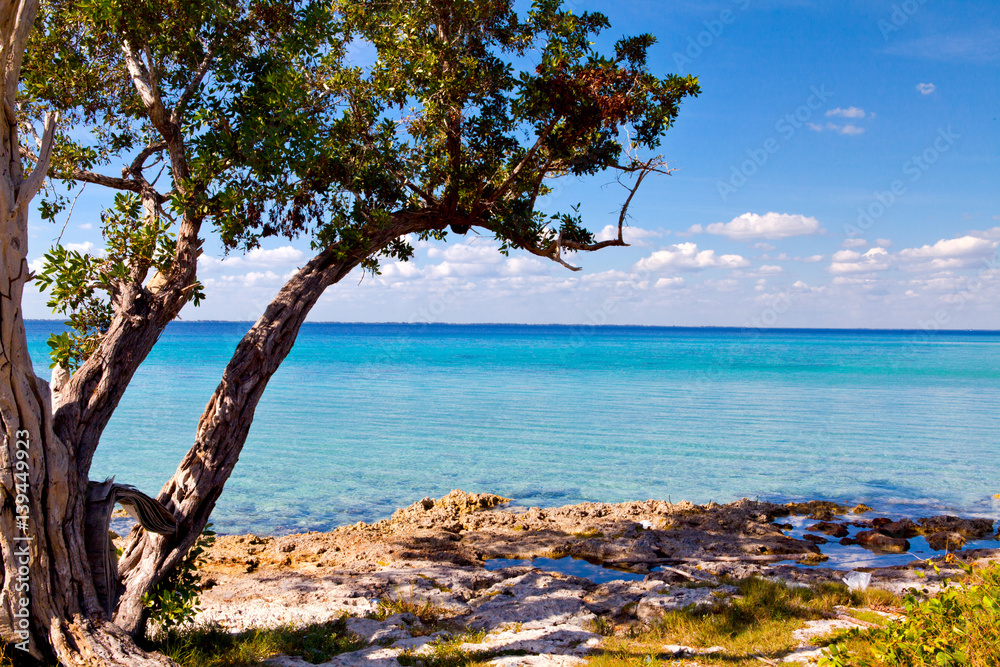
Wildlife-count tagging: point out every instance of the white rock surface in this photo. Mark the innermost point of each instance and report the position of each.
(654, 605)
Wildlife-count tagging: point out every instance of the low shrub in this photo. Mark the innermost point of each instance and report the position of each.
(958, 627)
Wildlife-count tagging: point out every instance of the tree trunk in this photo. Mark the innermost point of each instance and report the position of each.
(48, 603)
(192, 492)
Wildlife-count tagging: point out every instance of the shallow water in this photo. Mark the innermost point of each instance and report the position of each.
(849, 557)
(576, 567)
(362, 419)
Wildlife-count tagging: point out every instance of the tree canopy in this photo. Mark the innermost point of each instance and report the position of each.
(254, 119)
(464, 117)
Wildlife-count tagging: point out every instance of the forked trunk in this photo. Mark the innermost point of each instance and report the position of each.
(48, 604)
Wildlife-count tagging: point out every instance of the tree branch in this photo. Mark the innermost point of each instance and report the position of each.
(175, 115)
(145, 85)
(136, 166)
(644, 169)
(34, 181)
(524, 161)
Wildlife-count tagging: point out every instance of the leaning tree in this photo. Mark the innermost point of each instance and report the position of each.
(249, 119)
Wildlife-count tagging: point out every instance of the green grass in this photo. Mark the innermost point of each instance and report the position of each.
(758, 621)
(959, 627)
(212, 646)
(449, 652)
(427, 611)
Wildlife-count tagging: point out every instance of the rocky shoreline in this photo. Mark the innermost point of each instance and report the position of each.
(432, 556)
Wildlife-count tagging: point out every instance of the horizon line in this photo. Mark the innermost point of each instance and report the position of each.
(588, 326)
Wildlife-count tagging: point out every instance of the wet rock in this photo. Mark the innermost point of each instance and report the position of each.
(904, 528)
(972, 529)
(820, 510)
(946, 541)
(829, 528)
(815, 539)
(876, 541)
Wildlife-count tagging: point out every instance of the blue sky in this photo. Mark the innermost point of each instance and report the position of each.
(840, 169)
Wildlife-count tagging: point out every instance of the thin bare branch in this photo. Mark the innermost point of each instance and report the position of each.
(653, 165)
(524, 161)
(175, 115)
(69, 214)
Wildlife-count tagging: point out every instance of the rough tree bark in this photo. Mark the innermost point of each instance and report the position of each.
(192, 492)
(48, 604)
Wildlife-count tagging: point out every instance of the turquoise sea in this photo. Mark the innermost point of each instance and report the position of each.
(365, 418)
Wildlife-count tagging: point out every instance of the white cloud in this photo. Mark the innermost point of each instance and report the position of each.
(959, 253)
(401, 271)
(251, 279)
(851, 261)
(467, 253)
(770, 269)
(257, 258)
(850, 112)
(670, 283)
(811, 259)
(85, 248)
(87, 226)
(926, 88)
(766, 247)
(849, 129)
(521, 265)
(991, 234)
(687, 257)
(726, 285)
(771, 226)
(854, 243)
(632, 235)
(883, 243)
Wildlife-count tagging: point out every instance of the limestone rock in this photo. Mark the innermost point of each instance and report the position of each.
(377, 632)
(655, 605)
(537, 661)
(532, 600)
